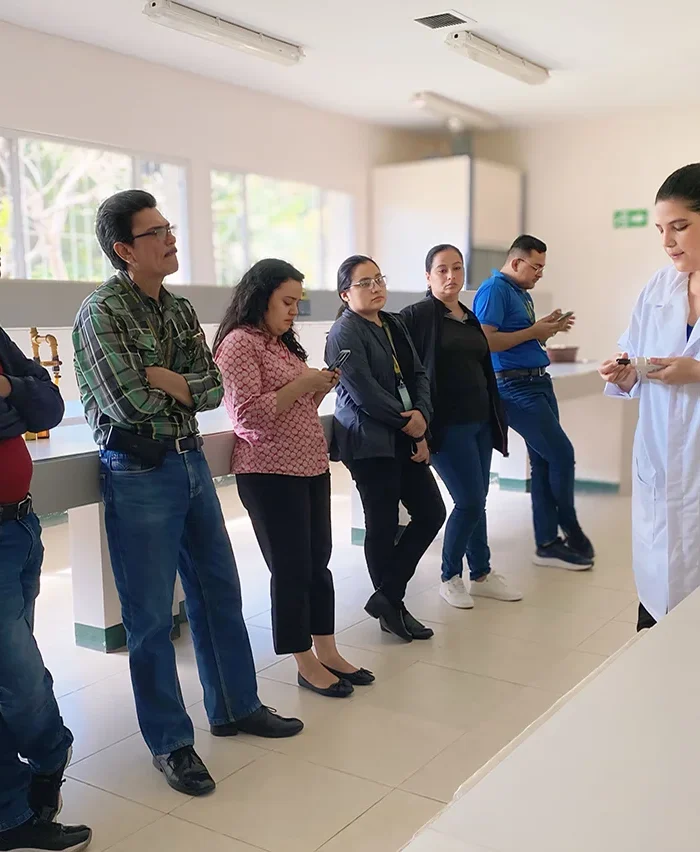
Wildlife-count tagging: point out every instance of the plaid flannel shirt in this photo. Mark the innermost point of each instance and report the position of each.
(119, 331)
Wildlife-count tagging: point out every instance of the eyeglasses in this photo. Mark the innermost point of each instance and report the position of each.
(162, 232)
(536, 266)
(366, 283)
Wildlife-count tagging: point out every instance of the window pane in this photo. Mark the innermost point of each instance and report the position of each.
(284, 221)
(168, 183)
(228, 230)
(9, 268)
(338, 217)
(62, 186)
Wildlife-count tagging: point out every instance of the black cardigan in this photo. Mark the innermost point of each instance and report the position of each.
(424, 321)
(367, 410)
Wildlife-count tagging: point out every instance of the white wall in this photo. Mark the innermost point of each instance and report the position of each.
(578, 173)
(69, 89)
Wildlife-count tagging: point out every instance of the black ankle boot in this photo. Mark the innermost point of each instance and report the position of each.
(390, 617)
(415, 628)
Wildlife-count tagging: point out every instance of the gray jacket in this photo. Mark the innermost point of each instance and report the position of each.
(367, 410)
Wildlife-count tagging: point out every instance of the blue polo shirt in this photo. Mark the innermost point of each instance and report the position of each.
(499, 302)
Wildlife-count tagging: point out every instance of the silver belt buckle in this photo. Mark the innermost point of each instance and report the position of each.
(178, 449)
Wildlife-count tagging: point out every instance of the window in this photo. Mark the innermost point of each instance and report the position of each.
(257, 217)
(54, 189)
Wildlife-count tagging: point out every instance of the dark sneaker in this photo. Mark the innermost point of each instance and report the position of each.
(579, 542)
(45, 837)
(558, 554)
(185, 772)
(45, 792)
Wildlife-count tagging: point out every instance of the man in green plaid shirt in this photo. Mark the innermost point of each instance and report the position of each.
(144, 371)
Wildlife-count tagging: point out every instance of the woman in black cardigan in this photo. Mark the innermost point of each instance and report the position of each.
(381, 415)
(468, 423)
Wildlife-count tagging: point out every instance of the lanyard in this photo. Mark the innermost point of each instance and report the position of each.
(530, 308)
(404, 395)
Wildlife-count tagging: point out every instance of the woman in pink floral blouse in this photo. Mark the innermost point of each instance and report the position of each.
(280, 460)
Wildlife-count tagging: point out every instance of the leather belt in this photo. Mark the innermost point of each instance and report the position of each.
(16, 511)
(183, 445)
(535, 372)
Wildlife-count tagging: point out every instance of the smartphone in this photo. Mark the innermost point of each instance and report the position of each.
(343, 356)
(566, 315)
(623, 362)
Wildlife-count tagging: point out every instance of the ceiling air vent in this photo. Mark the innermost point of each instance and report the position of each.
(444, 20)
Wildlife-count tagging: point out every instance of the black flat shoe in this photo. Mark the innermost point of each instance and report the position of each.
(185, 772)
(342, 689)
(415, 628)
(265, 723)
(390, 617)
(361, 677)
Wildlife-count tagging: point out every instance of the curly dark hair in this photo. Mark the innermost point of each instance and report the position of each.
(251, 298)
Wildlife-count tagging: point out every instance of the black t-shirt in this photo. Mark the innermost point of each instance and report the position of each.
(462, 389)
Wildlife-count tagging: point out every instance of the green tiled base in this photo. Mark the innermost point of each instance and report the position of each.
(113, 638)
(582, 486)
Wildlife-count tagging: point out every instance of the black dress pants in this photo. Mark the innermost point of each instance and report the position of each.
(291, 516)
(383, 483)
(645, 619)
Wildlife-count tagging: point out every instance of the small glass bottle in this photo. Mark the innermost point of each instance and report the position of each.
(643, 366)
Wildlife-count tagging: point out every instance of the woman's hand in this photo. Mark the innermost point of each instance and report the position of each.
(422, 454)
(318, 381)
(319, 396)
(675, 371)
(622, 375)
(416, 426)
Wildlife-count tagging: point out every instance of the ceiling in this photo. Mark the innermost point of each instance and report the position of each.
(365, 58)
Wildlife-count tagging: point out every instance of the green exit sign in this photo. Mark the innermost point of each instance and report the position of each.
(630, 218)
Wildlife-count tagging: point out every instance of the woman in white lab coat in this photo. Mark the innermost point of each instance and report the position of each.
(666, 458)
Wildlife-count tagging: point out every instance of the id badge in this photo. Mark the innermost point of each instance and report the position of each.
(405, 396)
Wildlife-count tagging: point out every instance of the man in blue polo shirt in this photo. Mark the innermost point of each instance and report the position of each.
(517, 340)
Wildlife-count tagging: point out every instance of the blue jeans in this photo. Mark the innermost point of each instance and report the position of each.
(533, 412)
(161, 521)
(30, 723)
(464, 465)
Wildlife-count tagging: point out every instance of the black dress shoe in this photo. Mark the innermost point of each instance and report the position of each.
(45, 836)
(415, 628)
(390, 617)
(185, 772)
(342, 689)
(361, 677)
(264, 722)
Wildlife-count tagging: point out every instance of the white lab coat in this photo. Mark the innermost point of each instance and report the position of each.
(666, 457)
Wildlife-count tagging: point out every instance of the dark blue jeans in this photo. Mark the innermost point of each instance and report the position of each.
(533, 412)
(161, 521)
(464, 465)
(30, 723)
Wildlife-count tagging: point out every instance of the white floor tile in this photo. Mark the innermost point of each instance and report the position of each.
(176, 835)
(284, 805)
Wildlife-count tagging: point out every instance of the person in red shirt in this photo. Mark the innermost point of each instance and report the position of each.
(35, 745)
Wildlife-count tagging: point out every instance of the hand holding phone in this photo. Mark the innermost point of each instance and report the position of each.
(342, 357)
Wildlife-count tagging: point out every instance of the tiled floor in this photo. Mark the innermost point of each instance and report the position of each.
(369, 771)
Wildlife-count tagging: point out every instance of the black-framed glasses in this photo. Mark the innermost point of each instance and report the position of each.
(162, 232)
(366, 283)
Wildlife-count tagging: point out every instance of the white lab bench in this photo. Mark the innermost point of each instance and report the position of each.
(66, 478)
(613, 767)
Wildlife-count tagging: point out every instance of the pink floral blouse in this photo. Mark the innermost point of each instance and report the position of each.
(254, 367)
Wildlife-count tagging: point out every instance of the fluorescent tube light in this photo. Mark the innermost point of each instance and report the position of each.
(458, 116)
(180, 17)
(485, 53)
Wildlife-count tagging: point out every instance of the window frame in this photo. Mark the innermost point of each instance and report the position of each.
(137, 157)
(321, 249)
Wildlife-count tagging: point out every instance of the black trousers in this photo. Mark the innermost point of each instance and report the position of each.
(382, 484)
(291, 516)
(645, 619)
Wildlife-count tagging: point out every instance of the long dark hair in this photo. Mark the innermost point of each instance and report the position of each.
(683, 185)
(251, 298)
(345, 270)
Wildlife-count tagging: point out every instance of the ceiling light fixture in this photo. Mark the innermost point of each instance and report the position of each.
(210, 27)
(458, 116)
(485, 53)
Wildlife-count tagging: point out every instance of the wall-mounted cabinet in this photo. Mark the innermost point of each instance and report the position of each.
(474, 204)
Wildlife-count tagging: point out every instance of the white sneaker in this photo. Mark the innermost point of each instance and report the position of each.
(495, 586)
(455, 593)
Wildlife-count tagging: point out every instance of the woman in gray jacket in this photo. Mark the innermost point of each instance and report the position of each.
(381, 416)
